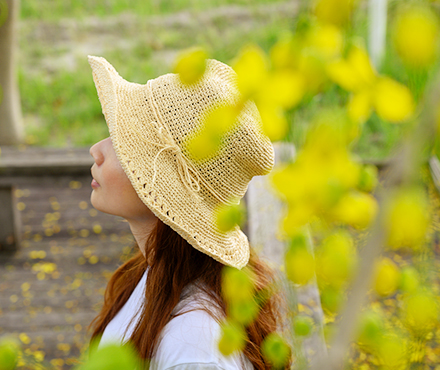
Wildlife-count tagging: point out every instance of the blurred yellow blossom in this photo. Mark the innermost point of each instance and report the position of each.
(237, 285)
(24, 338)
(355, 73)
(393, 101)
(228, 216)
(232, 339)
(9, 353)
(216, 125)
(416, 36)
(337, 12)
(336, 259)
(284, 54)
(392, 351)
(312, 68)
(190, 65)
(409, 279)
(421, 311)
(244, 311)
(360, 105)
(355, 208)
(371, 328)
(299, 265)
(326, 39)
(303, 325)
(322, 173)
(275, 124)
(251, 66)
(407, 218)
(387, 277)
(283, 88)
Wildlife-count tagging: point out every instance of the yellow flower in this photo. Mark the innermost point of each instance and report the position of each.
(326, 39)
(216, 125)
(337, 12)
(237, 285)
(355, 73)
(228, 216)
(233, 338)
(387, 277)
(191, 65)
(297, 216)
(284, 54)
(275, 124)
(24, 338)
(371, 328)
(393, 101)
(283, 88)
(336, 259)
(392, 351)
(356, 208)
(312, 68)
(359, 106)
(409, 279)
(299, 265)
(322, 172)
(9, 353)
(416, 35)
(407, 218)
(421, 311)
(251, 66)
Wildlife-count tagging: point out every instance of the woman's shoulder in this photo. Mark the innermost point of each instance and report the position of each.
(189, 341)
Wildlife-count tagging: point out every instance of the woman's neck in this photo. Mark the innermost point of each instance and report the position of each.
(141, 230)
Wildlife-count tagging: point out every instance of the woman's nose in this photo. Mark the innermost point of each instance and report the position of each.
(96, 153)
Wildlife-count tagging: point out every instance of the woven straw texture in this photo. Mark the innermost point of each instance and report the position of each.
(149, 125)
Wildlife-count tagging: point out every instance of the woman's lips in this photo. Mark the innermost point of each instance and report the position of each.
(95, 184)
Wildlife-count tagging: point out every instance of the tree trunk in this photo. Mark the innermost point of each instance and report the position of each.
(11, 125)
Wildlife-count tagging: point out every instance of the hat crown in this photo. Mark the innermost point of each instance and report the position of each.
(245, 151)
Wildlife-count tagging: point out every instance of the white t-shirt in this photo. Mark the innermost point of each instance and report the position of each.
(187, 342)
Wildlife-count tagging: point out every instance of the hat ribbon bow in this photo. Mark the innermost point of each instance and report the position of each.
(187, 171)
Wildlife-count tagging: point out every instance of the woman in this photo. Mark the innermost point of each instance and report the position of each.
(168, 299)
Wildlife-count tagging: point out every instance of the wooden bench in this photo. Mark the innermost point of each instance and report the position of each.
(28, 166)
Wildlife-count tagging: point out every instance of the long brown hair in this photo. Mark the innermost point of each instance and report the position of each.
(174, 264)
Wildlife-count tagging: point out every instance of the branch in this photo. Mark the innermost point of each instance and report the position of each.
(403, 169)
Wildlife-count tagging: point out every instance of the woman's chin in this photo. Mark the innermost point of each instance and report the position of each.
(97, 203)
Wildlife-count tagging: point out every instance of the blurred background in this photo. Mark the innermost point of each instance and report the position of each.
(60, 253)
(140, 38)
(52, 285)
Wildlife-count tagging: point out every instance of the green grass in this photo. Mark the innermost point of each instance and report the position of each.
(62, 108)
(57, 9)
(66, 105)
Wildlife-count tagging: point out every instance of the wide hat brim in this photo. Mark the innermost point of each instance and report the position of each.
(155, 176)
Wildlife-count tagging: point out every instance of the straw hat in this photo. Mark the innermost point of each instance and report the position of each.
(149, 125)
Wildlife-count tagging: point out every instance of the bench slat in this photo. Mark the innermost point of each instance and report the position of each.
(44, 162)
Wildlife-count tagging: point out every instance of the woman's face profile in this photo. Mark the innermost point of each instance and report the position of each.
(112, 190)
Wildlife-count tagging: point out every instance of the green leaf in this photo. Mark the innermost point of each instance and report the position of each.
(275, 350)
(243, 312)
(302, 325)
(113, 357)
(9, 350)
(233, 338)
